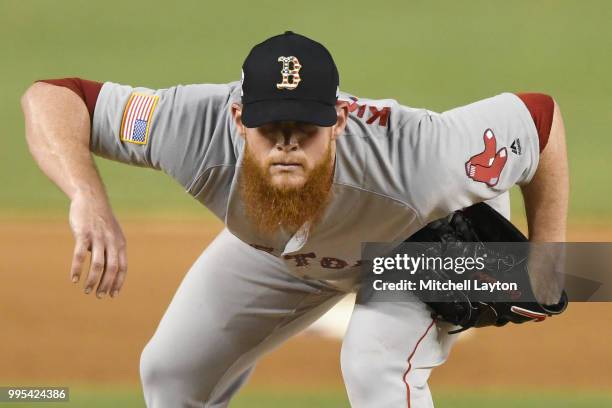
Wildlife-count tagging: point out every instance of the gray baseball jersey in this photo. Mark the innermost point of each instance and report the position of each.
(396, 167)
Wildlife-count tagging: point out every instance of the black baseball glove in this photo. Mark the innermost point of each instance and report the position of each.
(480, 224)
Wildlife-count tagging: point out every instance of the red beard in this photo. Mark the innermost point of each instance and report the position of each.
(271, 208)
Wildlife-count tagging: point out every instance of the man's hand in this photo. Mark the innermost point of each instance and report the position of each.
(96, 229)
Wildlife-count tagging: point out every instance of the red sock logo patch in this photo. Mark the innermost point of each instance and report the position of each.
(486, 166)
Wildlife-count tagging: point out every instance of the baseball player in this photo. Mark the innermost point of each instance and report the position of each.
(301, 174)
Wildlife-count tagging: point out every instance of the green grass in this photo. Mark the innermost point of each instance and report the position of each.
(518, 399)
(436, 55)
(125, 398)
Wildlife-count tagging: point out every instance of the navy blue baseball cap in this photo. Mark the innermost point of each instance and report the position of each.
(289, 77)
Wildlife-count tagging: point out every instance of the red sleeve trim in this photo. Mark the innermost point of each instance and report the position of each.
(88, 91)
(541, 107)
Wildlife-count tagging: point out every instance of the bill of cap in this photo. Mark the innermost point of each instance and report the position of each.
(259, 113)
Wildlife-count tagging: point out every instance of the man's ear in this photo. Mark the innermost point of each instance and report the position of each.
(237, 115)
(342, 110)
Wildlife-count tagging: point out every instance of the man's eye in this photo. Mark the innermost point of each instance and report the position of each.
(267, 130)
(308, 129)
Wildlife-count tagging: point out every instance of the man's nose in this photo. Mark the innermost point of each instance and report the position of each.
(287, 142)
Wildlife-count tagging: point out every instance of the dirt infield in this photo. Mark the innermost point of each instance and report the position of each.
(52, 332)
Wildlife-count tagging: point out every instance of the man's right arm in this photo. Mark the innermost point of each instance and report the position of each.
(58, 129)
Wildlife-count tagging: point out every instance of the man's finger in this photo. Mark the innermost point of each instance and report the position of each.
(97, 265)
(121, 273)
(111, 265)
(78, 258)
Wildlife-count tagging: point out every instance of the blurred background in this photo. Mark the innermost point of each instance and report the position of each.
(436, 56)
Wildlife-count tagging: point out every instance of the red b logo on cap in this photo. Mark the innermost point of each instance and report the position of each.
(290, 73)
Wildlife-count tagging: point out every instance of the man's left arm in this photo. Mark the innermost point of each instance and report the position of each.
(546, 203)
(477, 152)
(546, 196)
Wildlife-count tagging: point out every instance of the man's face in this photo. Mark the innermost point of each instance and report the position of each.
(287, 170)
(287, 152)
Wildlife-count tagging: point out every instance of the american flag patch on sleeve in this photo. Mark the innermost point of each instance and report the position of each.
(137, 115)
